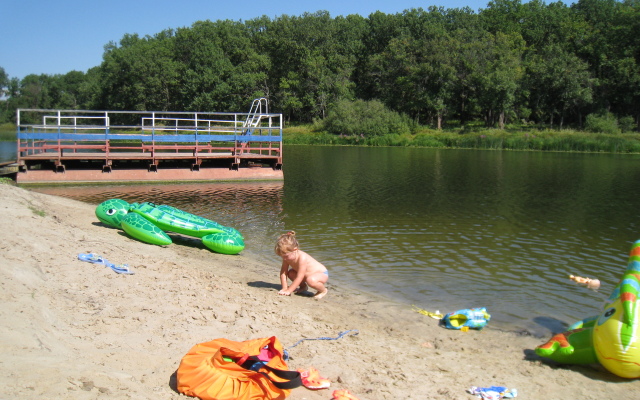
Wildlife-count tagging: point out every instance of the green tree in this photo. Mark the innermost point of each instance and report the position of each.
(613, 51)
(88, 90)
(417, 77)
(4, 91)
(543, 24)
(497, 76)
(559, 83)
(468, 53)
(34, 91)
(139, 74)
(503, 16)
(380, 29)
(68, 90)
(4, 82)
(414, 74)
(314, 58)
(220, 68)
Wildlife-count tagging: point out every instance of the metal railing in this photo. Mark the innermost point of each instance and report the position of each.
(255, 132)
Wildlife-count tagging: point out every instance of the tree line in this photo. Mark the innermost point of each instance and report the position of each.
(541, 64)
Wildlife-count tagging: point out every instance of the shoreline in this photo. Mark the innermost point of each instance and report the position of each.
(72, 329)
(552, 323)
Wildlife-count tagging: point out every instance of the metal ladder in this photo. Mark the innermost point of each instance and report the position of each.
(255, 114)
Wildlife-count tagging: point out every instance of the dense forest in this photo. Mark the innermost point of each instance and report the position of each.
(546, 65)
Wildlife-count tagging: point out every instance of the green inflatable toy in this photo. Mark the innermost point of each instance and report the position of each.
(611, 338)
(148, 222)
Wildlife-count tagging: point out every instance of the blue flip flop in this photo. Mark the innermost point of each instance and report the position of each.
(92, 258)
(120, 268)
(96, 259)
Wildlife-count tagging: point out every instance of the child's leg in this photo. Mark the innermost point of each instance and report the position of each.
(292, 274)
(317, 282)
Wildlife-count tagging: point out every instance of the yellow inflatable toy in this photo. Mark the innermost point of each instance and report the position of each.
(611, 338)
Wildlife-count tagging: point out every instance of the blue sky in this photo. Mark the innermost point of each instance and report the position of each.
(55, 37)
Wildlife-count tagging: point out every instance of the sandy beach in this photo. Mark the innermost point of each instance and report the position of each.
(75, 330)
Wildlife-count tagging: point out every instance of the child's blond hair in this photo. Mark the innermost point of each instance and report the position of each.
(286, 243)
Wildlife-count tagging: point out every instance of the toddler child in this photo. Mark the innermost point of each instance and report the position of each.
(303, 270)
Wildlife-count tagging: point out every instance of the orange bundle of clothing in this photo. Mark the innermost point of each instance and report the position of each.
(223, 369)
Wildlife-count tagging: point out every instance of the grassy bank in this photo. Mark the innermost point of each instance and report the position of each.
(7, 132)
(494, 139)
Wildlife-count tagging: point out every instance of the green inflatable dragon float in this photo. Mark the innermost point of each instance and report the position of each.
(148, 222)
(611, 338)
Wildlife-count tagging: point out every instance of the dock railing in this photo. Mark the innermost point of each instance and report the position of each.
(152, 135)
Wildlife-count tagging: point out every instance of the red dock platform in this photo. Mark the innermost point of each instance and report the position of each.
(59, 146)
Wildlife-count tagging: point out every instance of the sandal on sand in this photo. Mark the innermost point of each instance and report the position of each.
(120, 268)
(96, 259)
(312, 380)
(92, 258)
(343, 394)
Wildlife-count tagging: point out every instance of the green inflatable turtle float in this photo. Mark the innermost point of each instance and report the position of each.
(148, 222)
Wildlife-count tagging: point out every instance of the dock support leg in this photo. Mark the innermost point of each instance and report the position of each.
(106, 167)
(59, 167)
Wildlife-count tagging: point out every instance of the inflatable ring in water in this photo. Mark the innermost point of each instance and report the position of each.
(148, 223)
(611, 338)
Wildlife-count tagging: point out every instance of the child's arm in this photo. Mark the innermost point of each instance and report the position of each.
(283, 276)
(300, 277)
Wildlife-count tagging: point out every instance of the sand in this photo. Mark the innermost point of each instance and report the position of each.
(74, 330)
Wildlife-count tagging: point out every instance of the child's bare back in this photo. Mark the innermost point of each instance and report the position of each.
(303, 270)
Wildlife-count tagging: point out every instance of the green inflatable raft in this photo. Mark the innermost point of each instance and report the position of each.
(148, 222)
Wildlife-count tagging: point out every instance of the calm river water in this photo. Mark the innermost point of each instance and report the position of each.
(439, 229)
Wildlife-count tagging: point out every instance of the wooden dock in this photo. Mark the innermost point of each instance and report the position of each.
(60, 146)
